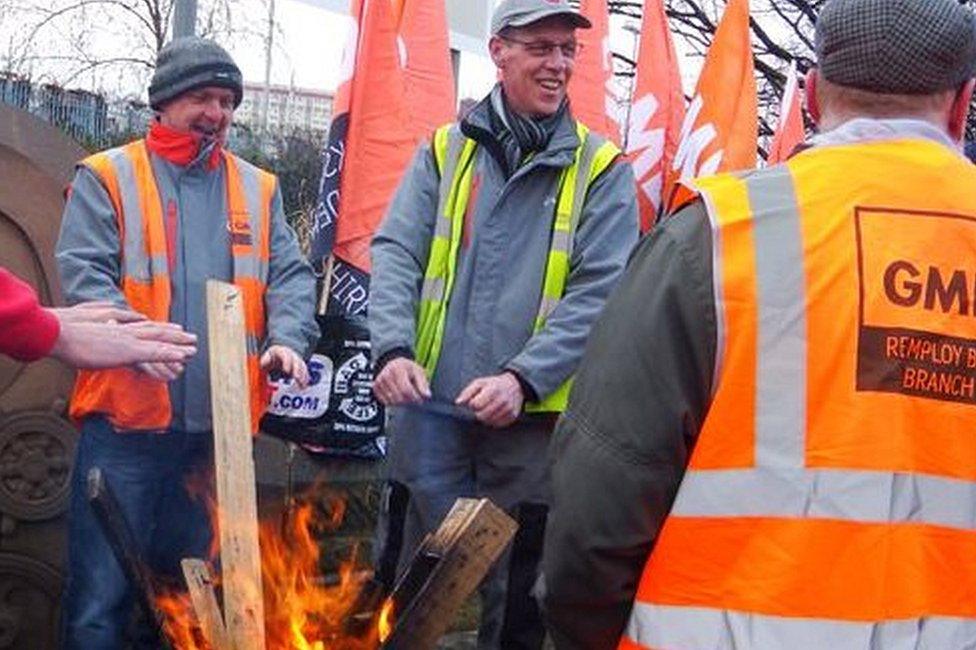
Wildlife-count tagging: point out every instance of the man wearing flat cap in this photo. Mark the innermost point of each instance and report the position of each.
(145, 226)
(770, 440)
(497, 252)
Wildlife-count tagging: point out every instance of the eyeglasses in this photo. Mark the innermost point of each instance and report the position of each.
(541, 49)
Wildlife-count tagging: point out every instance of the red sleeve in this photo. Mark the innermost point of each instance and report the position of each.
(27, 332)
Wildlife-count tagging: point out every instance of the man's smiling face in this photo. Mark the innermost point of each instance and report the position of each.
(533, 64)
(206, 111)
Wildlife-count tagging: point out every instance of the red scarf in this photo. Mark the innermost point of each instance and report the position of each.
(179, 147)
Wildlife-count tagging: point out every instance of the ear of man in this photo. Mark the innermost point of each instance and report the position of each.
(810, 97)
(959, 112)
(496, 49)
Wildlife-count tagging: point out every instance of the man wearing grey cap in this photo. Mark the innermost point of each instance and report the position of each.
(770, 440)
(494, 259)
(145, 226)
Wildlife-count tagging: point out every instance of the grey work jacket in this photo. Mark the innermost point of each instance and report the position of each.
(88, 256)
(501, 264)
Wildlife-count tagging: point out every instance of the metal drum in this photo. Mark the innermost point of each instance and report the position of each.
(36, 441)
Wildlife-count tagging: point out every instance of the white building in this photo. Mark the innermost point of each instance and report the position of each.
(468, 21)
(288, 108)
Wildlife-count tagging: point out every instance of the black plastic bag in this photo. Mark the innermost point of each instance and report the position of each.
(337, 414)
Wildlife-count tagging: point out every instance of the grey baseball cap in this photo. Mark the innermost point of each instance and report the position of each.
(519, 13)
(904, 47)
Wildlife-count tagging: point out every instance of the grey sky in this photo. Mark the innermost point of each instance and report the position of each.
(310, 40)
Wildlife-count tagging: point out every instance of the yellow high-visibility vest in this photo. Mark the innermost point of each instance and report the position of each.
(455, 154)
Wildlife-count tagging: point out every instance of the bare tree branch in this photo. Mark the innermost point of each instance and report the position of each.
(65, 39)
(782, 33)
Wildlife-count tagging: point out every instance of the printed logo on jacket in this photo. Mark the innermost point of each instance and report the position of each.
(917, 304)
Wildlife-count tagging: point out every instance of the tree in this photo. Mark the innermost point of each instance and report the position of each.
(782, 32)
(106, 44)
(294, 156)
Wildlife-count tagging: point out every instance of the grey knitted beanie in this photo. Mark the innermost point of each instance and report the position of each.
(193, 62)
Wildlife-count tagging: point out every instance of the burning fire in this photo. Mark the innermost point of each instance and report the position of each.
(302, 611)
(385, 622)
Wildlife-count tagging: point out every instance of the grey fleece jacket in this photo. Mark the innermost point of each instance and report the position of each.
(89, 263)
(501, 264)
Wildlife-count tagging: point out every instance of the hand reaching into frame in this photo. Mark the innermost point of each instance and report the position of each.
(92, 339)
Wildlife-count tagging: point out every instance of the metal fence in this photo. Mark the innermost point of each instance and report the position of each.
(96, 123)
(87, 117)
(93, 122)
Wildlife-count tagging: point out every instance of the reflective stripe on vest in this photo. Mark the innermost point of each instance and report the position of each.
(130, 399)
(662, 626)
(455, 157)
(828, 503)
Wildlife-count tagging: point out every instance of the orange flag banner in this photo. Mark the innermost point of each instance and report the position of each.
(656, 112)
(789, 132)
(429, 75)
(367, 150)
(591, 90)
(720, 130)
(369, 146)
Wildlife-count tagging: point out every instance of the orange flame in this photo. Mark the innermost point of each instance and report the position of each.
(385, 623)
(302, 610)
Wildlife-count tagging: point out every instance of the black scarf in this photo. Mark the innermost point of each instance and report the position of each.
(520, 136)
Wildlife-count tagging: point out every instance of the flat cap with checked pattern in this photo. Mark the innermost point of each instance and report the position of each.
(906, 47)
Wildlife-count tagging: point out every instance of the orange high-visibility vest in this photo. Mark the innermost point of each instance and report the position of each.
(830, 501)
(130, 399)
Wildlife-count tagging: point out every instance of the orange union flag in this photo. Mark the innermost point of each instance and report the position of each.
(657, 112)
(368, 148)
(789, 131)
(424, 46)
(720, 130)
(591, 91)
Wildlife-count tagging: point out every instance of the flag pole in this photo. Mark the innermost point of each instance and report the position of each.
(327, 268)
(635, 57)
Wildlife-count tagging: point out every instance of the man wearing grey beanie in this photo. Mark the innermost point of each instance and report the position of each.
(770, 440)
(145, 226)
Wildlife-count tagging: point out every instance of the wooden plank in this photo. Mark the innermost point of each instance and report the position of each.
(454, 559)
(454, 524)
(200, 584)
(112, 521)
(237, 511)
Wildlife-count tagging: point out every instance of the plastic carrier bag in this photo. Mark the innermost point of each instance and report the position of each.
(337, 414)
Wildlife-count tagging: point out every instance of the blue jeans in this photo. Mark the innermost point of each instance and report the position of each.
(148, 473)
